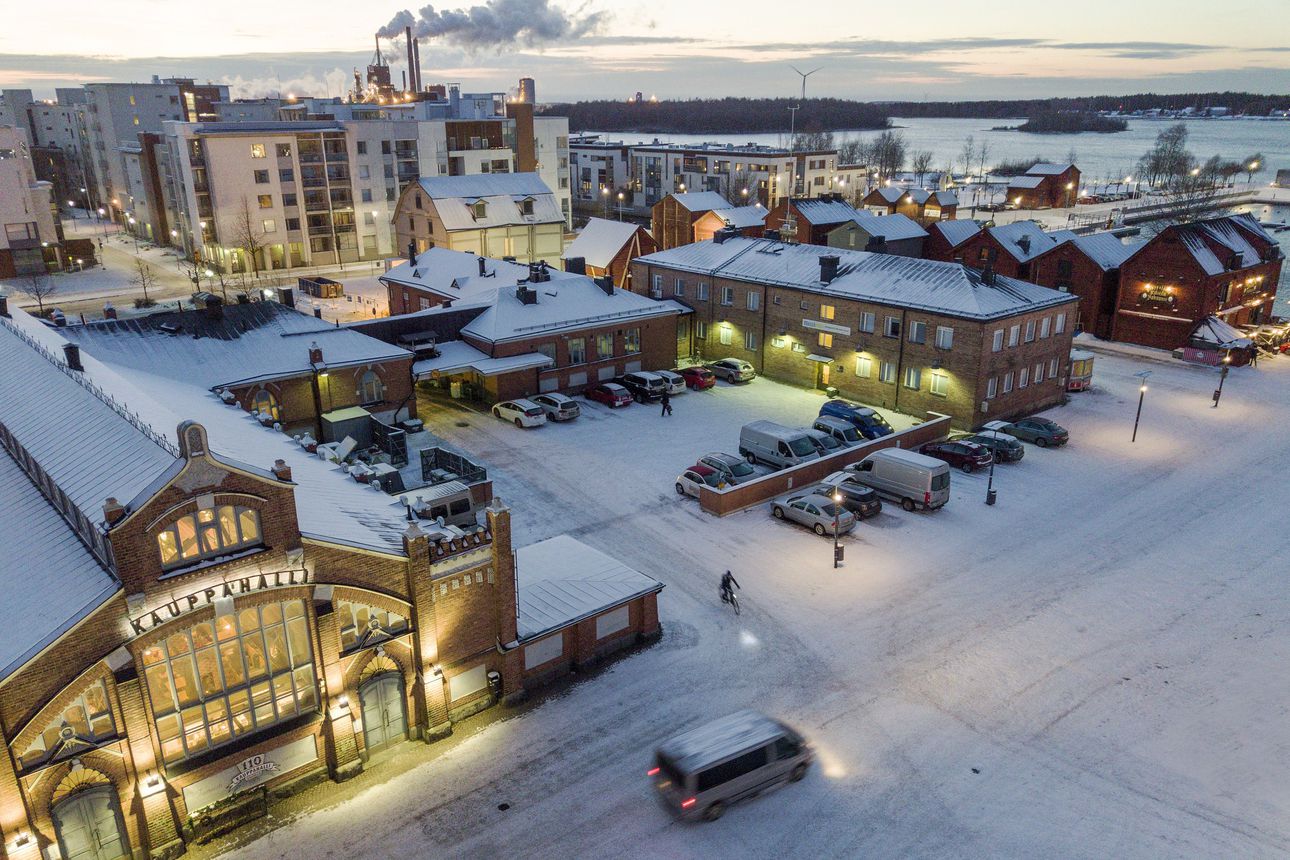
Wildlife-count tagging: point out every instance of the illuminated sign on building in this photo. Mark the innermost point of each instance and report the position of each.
(1158, 295)
(220, 591)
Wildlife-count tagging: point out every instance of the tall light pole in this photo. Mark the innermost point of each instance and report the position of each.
(1142, 395)
(991, 494)
(837, 515)
(604, 192)
(1218, 392)
(620, 205)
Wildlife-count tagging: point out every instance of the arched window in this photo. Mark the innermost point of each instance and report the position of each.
(83, 724)
(266, 403)
(370, 388)
(362, 625)
(208, 533)
(219, 681)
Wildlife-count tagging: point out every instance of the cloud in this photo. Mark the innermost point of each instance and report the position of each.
(498, 23)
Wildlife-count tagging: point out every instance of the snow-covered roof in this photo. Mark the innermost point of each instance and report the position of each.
(956, 231)
(1216, 332)
(72, 583)
(740, 217)
(503, 195)
(701, 201)
(455, 274)
(1024, 240)
(516, 185)
(890, 194)
(822, 212)
(1026, 182)
(458, 355)
(1232, 236)
(893, 228)
(600, 241)
(1045, 168)
(562, 580)
(245, 343)
(575, 301)
(886, 279)
(1106, 249)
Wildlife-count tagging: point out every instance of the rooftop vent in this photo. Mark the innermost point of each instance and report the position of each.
(73, 354)
(829, 267)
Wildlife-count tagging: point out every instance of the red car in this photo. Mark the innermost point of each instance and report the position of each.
(698, 378)
(609, 393)
(965, 455)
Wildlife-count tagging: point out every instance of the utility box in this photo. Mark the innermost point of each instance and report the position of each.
(353, 421)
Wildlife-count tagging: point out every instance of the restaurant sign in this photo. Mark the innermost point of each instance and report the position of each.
(220, 591)
(250, 772)
(1158, 295)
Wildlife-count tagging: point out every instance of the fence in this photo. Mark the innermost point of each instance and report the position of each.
(758, 490)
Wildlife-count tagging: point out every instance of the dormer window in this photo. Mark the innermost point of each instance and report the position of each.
(207, 534)
(526, 206)
(479, 209)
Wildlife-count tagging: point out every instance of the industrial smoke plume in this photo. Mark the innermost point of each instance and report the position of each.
(496, 23)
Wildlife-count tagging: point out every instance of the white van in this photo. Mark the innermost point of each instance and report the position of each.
(775, 445)
(915, 480)
(700, 772)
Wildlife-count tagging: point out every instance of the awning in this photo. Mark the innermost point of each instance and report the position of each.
(822, 359)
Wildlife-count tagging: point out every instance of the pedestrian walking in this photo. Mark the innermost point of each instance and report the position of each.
(667, 405)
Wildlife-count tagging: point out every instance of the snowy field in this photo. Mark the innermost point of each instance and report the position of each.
(1094, 667)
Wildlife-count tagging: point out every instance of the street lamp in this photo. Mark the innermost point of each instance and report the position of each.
(1142, 394)
(604, 192)
(620, 205)
(991, 494)
(837, 515)
(1218, 392)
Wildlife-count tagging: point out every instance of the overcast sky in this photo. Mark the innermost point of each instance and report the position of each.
(930, 49)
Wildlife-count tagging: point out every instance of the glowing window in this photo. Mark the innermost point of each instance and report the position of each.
(208, 533)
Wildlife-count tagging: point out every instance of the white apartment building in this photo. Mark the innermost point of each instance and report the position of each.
(29, 238)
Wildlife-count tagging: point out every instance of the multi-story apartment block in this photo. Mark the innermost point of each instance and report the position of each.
(30, 236)
(904, 334)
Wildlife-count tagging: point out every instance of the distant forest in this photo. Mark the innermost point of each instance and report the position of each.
(736, 115)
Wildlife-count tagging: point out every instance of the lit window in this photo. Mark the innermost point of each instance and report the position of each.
(826, 339)
(725, 335)
(632, 340)
(577, 350)
(605, 345)
(208, 533)
(362, 626)
(219, 681)
(257, 150)
(864, 366)
(940, 384)
(81, 725)
(266, 201)
(266, 404)
(269, 225)
(826, 312)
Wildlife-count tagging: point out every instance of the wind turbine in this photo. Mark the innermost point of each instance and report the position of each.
(792, 124)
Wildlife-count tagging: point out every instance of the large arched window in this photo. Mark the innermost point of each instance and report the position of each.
(370, 387)
(208, 533)
(83, 724)
(265, 403)
(362, 625)
(219, 681)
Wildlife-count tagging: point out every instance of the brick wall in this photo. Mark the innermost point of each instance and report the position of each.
(1095, 287)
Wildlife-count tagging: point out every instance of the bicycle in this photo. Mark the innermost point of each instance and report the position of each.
(728, 596)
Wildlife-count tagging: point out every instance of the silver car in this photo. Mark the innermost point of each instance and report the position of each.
(675, 381)
(733, 370)
(558, 407)
(818, 513)
(736, 470)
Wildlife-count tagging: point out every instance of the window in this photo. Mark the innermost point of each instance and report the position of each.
(632, 340)
(286, 175)
(417, 200)
(208, 533)
(266, 201)
(913, 378)
(826, 312)
(283, 150)
(547, 349)
(991, 388)
(265, 403)
(269, 225)
(82, 724)
(362, 626)
(1023, 377)
(364, 171)
(361, 147)
(1044, 325)
(918, 332)
(887, 372)
(370, 387)
(701, 330)
(293, 223)
(215, 683)
(288, 199)
(727, 296)
(480, 209)
(261, 177)
(257, 150)
(891, 327)
(1030, 330)
(577, 350)
(750, 341)
(1061, 324)
(998, 340)
(864, 366)
(678, 288)
(866, 322)
(940, 384)
(725, 336)
(605, 345)
(825, 339)
(702, 294)
(775, 299)
(1052, 368)
(1014, 335)
(731, 770)
(803, 305)
(385, 147)
(1007, 382)
(753, 300)
(1039, 373)
(369, 218)
(944, 337)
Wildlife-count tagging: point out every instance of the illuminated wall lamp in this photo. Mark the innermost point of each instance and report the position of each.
(153, 783)
(21, 840)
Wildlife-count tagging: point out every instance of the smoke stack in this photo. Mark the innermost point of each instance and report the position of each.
(72, 352)
(829, 267)
(412, 69)
(416, 59)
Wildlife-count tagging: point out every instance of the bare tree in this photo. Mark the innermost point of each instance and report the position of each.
(37, 286)
(812, 140)
(889, 150)
(248, 235)
(739, 187)
(921, 161)
(983, 153)
(853, 152)
(145, 279)
(967, 155)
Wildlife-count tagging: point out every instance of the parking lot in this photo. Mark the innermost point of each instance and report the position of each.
(1090, 668)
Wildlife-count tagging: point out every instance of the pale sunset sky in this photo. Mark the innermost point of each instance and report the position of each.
(932, 49)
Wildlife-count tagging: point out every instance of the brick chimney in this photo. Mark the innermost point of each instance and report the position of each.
(72, 354)
(315, 353)
(113, 511)
(829, 267)
(281, 470)
(109, 311)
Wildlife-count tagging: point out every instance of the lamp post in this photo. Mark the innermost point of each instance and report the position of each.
(135, 235)
(620, 205)
(837, 515)
(604, 192)
(1222, 376)
(1142, 395)
(991, 494)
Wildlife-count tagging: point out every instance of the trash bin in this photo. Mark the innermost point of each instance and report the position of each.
(495, 683)
(990, 495)
(839, 553)
(831, 390)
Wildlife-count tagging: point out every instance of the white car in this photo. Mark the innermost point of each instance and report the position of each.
(733, 370)
(689, 481)
(675, 381)
(558, 407)
(521, 413)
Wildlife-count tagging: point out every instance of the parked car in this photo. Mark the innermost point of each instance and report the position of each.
(643, 385)
(839, 428)
(521, 413)
(868, 421)
(823, 442)
(689, 481)
(558, 407)
(697, 377)
(913, 479)
(815, 511)
(736, 470)
(733, 370)
(967, 456)
(675, 381)
(609, 393)
(1005, 448)
(856, 497)
(1041, 431)
(775, 445)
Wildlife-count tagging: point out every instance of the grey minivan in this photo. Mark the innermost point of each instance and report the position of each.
(700, 772)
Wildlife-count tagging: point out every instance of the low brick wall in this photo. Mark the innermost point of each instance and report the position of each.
(736, 498)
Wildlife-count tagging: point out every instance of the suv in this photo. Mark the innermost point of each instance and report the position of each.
(856, 497)
(697, 377)
(734, 469)
(870, 424)
(733, 370)
(643, 385)
(965, 455)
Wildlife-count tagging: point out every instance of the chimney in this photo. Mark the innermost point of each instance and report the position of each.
(113, 511)
(59, 318)
(605, 283)
(287, 296)
(482, 270)
(987, 274)
(281, 470)
(315, 353)
(4, 305)
(1024, 244)
(576, 265)
(416, 60)
(109, 311)
(525, 295)
(412, 252)
(412, 68)
(318, 312)
(72, 353)
(829, 267)
(525, 153)
(876, 245)
(243, 299)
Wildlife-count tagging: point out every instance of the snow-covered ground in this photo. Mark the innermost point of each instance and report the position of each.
(1094, 667)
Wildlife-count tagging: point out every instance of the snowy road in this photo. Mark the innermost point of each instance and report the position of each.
(1095, 667)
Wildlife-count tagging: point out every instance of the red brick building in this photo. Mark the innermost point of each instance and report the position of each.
(606, 248)
(1089, 267)
(945, 239)
(1009, 248)
(810, 220)
(922, 205)
(674, 217)
(209, 634)
(1045, 186)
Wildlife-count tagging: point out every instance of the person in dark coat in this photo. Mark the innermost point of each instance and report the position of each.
(667, 404)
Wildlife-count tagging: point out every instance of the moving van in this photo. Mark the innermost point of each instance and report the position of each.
(775, 445)
(914, 480)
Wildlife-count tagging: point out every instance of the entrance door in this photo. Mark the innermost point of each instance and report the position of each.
(384, 717)
(821, 375)
(89, 826)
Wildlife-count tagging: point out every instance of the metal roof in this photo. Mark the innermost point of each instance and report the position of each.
(517, 185)
(891, 227)
(824, 212)
(1107, 250)
(956, 231)
(1024, 240)
(701, 201)
(740, 217)
(1045, 168)
(600, 241)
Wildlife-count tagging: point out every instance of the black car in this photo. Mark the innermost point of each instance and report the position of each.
(856, 497)
(1005, 448)
(644, 386)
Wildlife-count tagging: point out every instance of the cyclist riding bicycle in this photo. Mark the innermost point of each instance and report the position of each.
(726, 590)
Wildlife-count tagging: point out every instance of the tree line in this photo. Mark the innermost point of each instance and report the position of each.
(1238, 102)
(718, 116)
